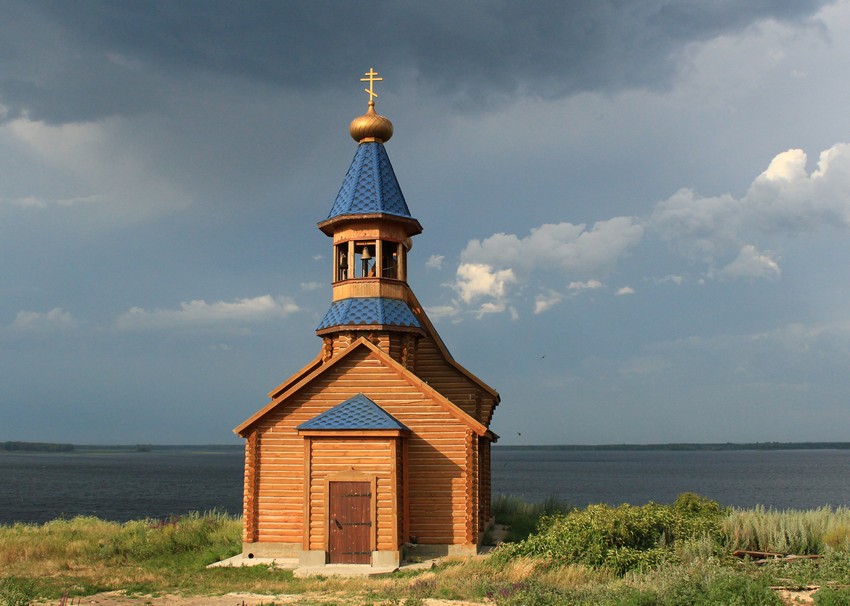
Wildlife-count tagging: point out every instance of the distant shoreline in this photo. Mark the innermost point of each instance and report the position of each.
(51, 447)
(16, 446)
(687, 446)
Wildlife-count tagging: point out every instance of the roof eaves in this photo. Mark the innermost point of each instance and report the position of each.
(413, 225)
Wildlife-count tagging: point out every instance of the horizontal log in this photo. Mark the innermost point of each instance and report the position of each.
(280, 529)
(278, 538)
(337, 446)
(283, 496)
(280, 524)
(273, 470)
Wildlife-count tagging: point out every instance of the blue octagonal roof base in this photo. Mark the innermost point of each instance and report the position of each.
(369, 311)
(358, 412)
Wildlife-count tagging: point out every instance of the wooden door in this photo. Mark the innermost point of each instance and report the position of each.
(349, 523)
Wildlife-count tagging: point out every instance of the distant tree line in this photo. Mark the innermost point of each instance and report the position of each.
(36, 446)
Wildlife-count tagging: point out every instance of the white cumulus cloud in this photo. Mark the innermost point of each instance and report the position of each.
(477, 280)
(492, 267)
(587, 285)
(545, 301)
(53, 320)
(439, 312)
(201, 313)
(435, 261)
(751, 264)
(732, 238)
(784, 200)
(573, 248)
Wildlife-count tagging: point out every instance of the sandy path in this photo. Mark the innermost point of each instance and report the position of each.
(117, 598)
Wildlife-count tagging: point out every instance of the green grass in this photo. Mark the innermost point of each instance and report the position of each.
(629, 555)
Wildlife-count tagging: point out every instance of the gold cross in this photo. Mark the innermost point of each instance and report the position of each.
(371, 79)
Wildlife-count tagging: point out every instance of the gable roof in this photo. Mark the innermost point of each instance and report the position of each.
(419, 311)
(370, 185)
(305, 377)
(357, 412)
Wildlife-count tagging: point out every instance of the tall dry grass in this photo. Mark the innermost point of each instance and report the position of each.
(88, 542)
(789, 531)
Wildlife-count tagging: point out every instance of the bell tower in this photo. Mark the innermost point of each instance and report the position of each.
(379, 448)
(372, 231)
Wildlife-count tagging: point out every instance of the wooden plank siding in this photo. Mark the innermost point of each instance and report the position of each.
(423, 356)
(249, 509)
(437, 473)
(432, 367)
(372, 457)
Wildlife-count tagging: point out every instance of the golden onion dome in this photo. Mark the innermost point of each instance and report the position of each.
(371, 127)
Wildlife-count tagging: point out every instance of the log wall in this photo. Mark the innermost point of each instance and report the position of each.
(437, 456)
(431, 366)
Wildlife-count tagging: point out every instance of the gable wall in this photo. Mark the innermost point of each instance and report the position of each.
(436, 451)
(428, 362)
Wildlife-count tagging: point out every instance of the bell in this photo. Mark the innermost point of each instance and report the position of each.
(343, 261)
(365, 254)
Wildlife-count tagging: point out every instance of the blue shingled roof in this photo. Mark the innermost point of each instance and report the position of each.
(368, 311)
(370, 185)
(358, 412)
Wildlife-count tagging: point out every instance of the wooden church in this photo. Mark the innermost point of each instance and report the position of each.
(381, 444)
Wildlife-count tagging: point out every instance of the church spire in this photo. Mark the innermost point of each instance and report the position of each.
(371, 227)
(370, 187)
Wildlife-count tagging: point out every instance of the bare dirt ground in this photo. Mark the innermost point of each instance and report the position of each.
(117, 598)
(804, 597)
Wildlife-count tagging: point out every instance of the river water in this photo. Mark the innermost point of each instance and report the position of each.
(36, 487)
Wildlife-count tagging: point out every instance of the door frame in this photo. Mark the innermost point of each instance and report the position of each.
(349, 475)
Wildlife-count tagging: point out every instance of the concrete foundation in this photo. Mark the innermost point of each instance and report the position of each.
(268, 549)
(386, 559)
(312, 557)
(418, 552)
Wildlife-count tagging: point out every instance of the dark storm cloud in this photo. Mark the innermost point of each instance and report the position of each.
(70, 61)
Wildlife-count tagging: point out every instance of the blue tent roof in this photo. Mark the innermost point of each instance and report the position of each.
(358, 412)
(370, 186)
(369, 311)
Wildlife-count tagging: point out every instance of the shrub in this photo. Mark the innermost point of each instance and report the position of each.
(16, 592)
(723, 587)
(620, 538)
(828, 596)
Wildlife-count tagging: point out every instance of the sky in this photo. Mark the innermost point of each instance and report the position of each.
(636, 213)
